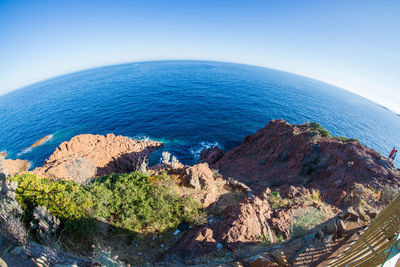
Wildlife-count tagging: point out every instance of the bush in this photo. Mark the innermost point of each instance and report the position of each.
(314, 197)
(276, 201)
(138, 202)
(347, 140)
(303, 223)
(66, 200)
(388, 194)
(133, 201)
(314, 126)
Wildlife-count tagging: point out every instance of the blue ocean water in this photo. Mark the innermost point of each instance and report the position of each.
(188, 105)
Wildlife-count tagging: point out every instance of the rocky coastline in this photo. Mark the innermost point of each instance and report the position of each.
(285, 190)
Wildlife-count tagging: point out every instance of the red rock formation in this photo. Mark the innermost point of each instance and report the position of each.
(16, 166)
(280, 155)
(87, 155)
(12, 167)
(243, 224)
(41, 141)
(211, 155)
(200, 176)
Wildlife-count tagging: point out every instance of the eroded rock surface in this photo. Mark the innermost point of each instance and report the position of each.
(11, 167)
(16, 166)
(211, 155)
(86, 156)
(281, 154)
(243, 224)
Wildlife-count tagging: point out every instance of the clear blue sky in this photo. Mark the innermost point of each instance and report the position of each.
(352, 44)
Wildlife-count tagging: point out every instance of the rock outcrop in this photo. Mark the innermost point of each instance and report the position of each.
(86, 156)
(199, 176)
(280, 155)
(11, 167)
(243, 224)
(16, 166)
(41, 141)
(211, 155)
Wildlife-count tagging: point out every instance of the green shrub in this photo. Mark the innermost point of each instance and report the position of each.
(68, 201)
(303, 223)
(134, 201)
(314, 126)
(276, 201)
(347, 140)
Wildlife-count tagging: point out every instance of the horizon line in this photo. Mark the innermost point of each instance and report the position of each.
(199, 60)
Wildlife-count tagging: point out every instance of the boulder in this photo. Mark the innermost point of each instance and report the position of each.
(200, 176)
(16, 166)
(372, 213)
(350, 214)
(211, 155)
(331, 227)
(86, 156)
(341, 228)
(295, 191)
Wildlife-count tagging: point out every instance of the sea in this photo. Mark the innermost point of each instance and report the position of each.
(187, 105)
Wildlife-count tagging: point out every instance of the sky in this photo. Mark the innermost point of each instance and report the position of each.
(354, 45)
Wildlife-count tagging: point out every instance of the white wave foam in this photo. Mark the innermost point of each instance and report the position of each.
(196, 150)
(25, 150)
(140, 137)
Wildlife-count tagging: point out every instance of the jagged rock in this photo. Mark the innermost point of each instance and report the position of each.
(200, 176)
(294, 191)
(44, 223)
(331, 227)
(243, 224)
(350, 214)
(77, 158)
(81, 170)
(211, 155)
(341, 228)
(3, 171)
(240, 186)
(281, 154)
(372, 213)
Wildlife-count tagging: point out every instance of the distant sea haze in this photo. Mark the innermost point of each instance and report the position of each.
(188, 105)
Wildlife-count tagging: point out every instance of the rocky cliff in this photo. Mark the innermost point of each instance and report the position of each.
(86, 156)
(280, 155)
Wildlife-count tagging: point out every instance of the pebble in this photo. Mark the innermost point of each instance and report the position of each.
(177, 232)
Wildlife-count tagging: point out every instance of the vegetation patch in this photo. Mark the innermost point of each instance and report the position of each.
(276, 201)
(310, 219)
(315, 126)
(132, 201)
(347, 140)
(68, 201)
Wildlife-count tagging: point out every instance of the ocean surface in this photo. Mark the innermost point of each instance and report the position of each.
(188, 105)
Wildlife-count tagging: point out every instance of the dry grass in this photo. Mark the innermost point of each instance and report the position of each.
(11, 226)
(388, 194)
(314, 197)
